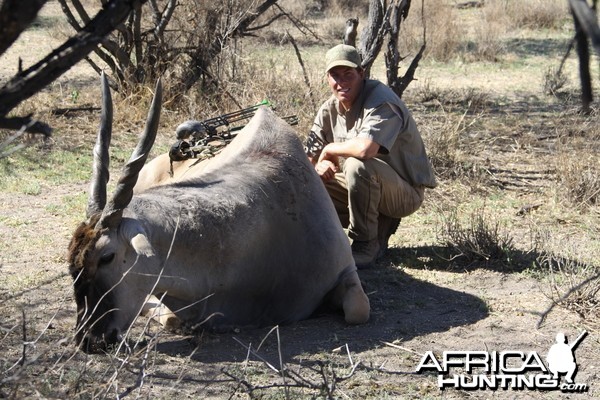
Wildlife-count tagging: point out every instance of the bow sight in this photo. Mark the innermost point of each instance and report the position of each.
(204, 139)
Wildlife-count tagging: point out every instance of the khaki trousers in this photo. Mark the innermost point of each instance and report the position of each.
(366, 188)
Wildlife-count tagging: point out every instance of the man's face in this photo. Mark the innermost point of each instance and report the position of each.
(345, 83)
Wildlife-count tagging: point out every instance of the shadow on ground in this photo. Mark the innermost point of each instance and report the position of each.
(402, 308)
(443, 258)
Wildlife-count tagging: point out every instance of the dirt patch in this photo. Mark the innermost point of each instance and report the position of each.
(417, 306)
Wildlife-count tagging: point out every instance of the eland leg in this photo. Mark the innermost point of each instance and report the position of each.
(155, 309)
(350, 296)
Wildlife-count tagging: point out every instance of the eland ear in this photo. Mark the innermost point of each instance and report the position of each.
(141, 245)
(135, 234)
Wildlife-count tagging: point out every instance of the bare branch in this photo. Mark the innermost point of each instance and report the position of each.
(392, 58)
(109, 48)
(268, 23)
(85, 18)
(566, 296)
(163, 21)
(297, 23)
(137, 37)
(304, 73)
(400, 85)
(155, 12)
(69, 14)
(15, 17)
(202, 57)
(4, 145)
(32, 80)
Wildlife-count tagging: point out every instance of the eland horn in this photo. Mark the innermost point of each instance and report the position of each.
(112, 213)
(100, 174)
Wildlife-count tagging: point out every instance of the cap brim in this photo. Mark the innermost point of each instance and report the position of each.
(340, 63)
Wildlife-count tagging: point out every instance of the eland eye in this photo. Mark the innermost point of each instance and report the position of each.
(106, 258)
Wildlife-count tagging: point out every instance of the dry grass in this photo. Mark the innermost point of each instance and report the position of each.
(446, 131)
(530, 14)
(554, 81)
(444, 30)
(482, 38)
(131, 368)
(579, 178)
(479, 241)
(487, 44)
(572, 284)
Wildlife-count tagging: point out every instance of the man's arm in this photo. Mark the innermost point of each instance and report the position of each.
(328, 162)
(361, 148)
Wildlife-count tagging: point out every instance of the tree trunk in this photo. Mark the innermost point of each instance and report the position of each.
(586, 26)
(585, 77)
(371, 39)
(203, 57)
(15, 17)
(76, 48)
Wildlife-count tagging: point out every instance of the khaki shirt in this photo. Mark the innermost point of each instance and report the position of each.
(380, 115)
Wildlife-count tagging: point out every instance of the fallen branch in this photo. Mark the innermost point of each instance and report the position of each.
(565, 296)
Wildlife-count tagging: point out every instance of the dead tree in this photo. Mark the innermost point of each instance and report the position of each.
(136, 42)
(383, 23)
(161, 39)
(351, 32)
(19, 14)
(586, 28)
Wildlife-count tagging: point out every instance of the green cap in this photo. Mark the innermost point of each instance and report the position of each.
(342, 55)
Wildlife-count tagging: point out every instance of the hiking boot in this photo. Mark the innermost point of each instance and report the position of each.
(365, 252)
(386, 228)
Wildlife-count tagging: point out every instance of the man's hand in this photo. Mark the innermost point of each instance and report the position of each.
(328, 163)
(326, 169)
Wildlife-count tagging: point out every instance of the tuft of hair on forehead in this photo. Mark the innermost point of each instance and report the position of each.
(84, 238)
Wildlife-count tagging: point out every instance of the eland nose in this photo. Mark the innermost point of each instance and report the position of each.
(114, 336)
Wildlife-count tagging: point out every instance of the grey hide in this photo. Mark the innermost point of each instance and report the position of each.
(252, 239)
(256, 232)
